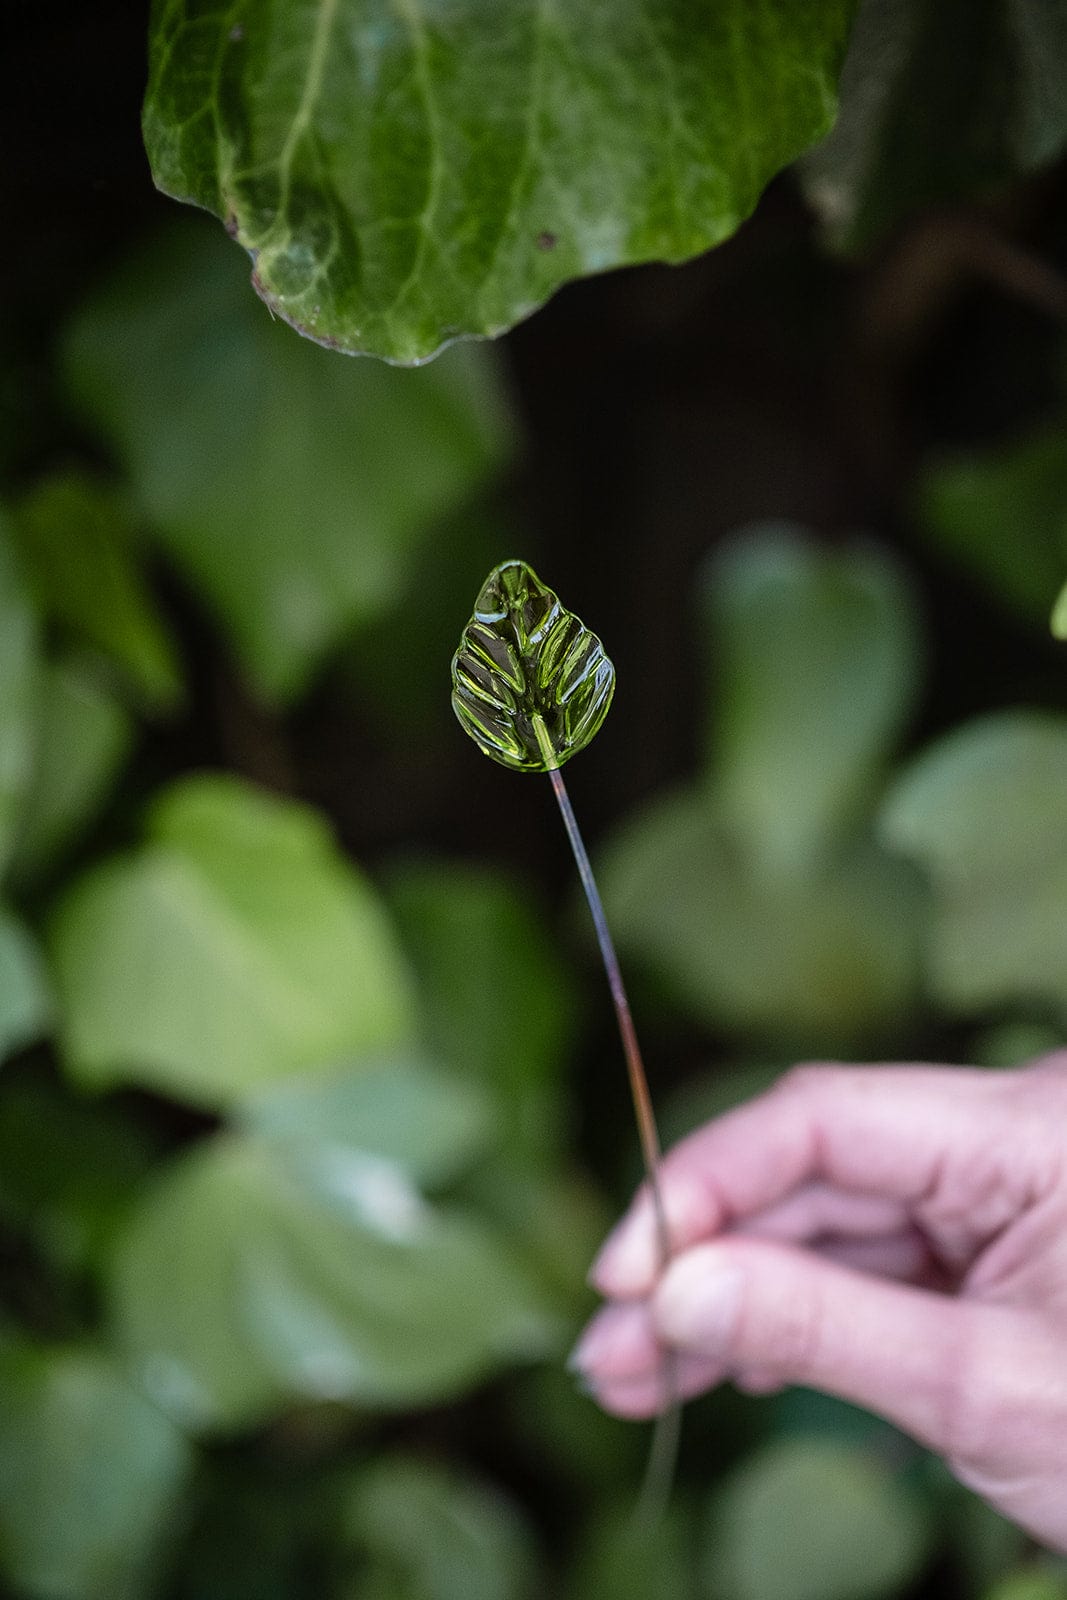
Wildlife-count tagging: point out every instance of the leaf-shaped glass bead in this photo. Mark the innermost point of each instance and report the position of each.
(530, 683)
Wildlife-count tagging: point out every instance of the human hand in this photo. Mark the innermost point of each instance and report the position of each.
(893, 1235)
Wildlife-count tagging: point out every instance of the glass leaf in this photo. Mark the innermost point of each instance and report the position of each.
(530, 683)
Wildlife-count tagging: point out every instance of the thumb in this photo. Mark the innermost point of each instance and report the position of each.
(792, 1315)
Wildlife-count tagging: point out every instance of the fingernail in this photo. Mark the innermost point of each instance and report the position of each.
(590, 1347)
(624, 1264)
(698, 1310)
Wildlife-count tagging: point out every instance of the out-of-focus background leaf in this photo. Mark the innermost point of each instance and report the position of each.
(312, 1114)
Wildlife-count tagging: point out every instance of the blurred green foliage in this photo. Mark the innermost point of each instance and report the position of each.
(297, 1189)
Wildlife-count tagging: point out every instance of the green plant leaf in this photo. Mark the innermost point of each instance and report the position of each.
(261, 1271)
(90, 1475)
(620, 1559)
(430, 1534)
(404, 175)
(940, 100)
(814, 962)
(757, 894)
(233, 949)
(428, 1122)
(1029, 1583)
(19, 677)
(84, 738)
(812, 1519)
(530, 683)
(485, 962)
(999, 930)
(1003, 516)
(79, 545)
(25, 1001)
(291, 488)
(815, 657)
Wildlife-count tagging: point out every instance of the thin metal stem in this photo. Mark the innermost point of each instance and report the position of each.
(664, 1451)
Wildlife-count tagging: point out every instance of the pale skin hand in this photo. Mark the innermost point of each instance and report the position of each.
(893, 1235)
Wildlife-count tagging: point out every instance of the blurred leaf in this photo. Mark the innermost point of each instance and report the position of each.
(259, 1272)
(622, 1559)
(236, 947)
(18, 676)
(940, 100)
(821, 960)
(711, 1094)
(499, 1003)
(79, 545)
(1029, 1583)
(1058, 619)
(429, 1123)
(531, 683)
(999, 929)
(84, 738)
(754, 895)
(405, 177)
(810, 1519)
(552, 1213)
(1003, 515)
(68, 1169)
(90, 1477)
(25, 1001)
(815, 658)
(1013, 1044)
(433, 1535)
(560, 1430)
(292, 488)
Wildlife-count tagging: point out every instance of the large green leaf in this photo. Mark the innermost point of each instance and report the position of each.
(19, 683)
(263, 1270)
(84, 737)
(498, 1000)
(25, 1003)
(233, 949)
(79, 545)
(291, 488)
(90, 1477)
(755, 893)
(940, 99)
(432, 1535)
(815, 658)
(818, 961)
(812, 1519)
(985, 812)
(407, 173)
(1003, 515)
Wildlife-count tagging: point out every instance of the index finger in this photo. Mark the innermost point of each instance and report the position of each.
(882, 1130)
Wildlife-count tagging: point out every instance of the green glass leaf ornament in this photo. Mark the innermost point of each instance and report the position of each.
(531, 683)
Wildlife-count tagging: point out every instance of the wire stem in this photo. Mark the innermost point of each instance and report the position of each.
(665, 1441)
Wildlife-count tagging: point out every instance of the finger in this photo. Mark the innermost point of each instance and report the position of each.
(626, 1369)
(815, 1209)
(647, 1394)
(757, 1306)
(903, 1256)
(885, 1131)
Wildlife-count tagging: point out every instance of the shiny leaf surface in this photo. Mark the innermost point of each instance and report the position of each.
(404, 174)
(530, 683)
